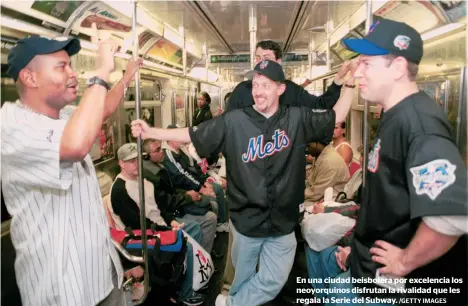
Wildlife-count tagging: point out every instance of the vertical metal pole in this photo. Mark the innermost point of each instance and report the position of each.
(184, 49)
(462, 107)
(190, 104)
(253, 33)
(328, 47)
(186, 105)
(311, 50)
(369, 20)
(207, 61)
(140, 162)
(328, 31)
(173, 107)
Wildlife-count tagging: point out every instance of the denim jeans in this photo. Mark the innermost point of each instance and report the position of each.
(186, 289)
(276, 260)
(221, 204)
(321, 265)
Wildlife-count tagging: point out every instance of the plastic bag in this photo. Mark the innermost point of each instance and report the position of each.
(324, 230)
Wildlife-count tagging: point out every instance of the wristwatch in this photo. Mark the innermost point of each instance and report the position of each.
(349, 86)
(97, 80)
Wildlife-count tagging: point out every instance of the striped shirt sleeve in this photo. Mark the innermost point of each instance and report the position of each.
(31, 148)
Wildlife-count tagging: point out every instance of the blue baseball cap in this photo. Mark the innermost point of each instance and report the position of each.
(26, 49)
(389, 37)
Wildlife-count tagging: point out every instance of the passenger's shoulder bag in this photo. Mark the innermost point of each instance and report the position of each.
(203, 267)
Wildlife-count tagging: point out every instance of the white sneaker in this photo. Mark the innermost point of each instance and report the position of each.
(223, 227)
(221, 300)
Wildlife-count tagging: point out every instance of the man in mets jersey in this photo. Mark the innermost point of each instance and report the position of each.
(264, 147)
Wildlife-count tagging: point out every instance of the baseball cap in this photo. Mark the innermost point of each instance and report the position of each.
(27, 48)
(127, 152)
(389, 37)
(270, 69)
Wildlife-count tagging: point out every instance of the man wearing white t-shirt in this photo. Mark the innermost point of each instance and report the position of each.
(64, 255)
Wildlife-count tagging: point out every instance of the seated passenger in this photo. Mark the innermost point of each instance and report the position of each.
(174, 201)
(186, 174)
(329, 170)
(324, 264)
(125, 210)
(341, 144)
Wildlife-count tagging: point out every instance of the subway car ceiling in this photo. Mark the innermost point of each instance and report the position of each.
(183, 38)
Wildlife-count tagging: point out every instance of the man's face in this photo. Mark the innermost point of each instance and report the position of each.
(261, 55)
(55, 79)
(376, 78)
(156, 152)
(338, 131)
(129, 167)
(266, 92)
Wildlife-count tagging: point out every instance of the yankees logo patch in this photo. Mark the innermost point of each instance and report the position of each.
(257, 148)
(432, 178)
(263, 65)
(374, 158)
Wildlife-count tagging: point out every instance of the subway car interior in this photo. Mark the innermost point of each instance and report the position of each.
(189, 47)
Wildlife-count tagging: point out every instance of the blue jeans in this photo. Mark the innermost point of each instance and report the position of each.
(186, 289)
(276, 260)
(349, 295)
(221, 205)
(321, 265)
(207, 225)
(192, 228)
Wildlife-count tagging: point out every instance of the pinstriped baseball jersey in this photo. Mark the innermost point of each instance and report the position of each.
(64, 255)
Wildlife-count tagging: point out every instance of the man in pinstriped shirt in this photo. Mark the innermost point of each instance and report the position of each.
(64, 255)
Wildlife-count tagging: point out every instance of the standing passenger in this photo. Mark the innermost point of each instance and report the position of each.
(414, 205)
(203, 113)
(294, 94)
(64, 254)
(264, 150)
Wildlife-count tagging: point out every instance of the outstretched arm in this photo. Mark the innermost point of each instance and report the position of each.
(140, 127)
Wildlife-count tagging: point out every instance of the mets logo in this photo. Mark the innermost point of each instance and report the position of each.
(257, 148)
(374, 158)
(433, 177)
(402, 42)
(263, 65)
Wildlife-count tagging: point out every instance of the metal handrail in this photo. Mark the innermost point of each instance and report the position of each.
(144, 240)
(126, 254)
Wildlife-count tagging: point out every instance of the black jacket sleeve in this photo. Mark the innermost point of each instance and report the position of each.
(325, 101)
(181, 178)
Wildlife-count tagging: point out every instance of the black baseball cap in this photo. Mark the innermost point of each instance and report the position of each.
(389, 37)
(26, 49)
(270, 69)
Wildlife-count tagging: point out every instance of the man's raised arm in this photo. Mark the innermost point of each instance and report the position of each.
(343, 105)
